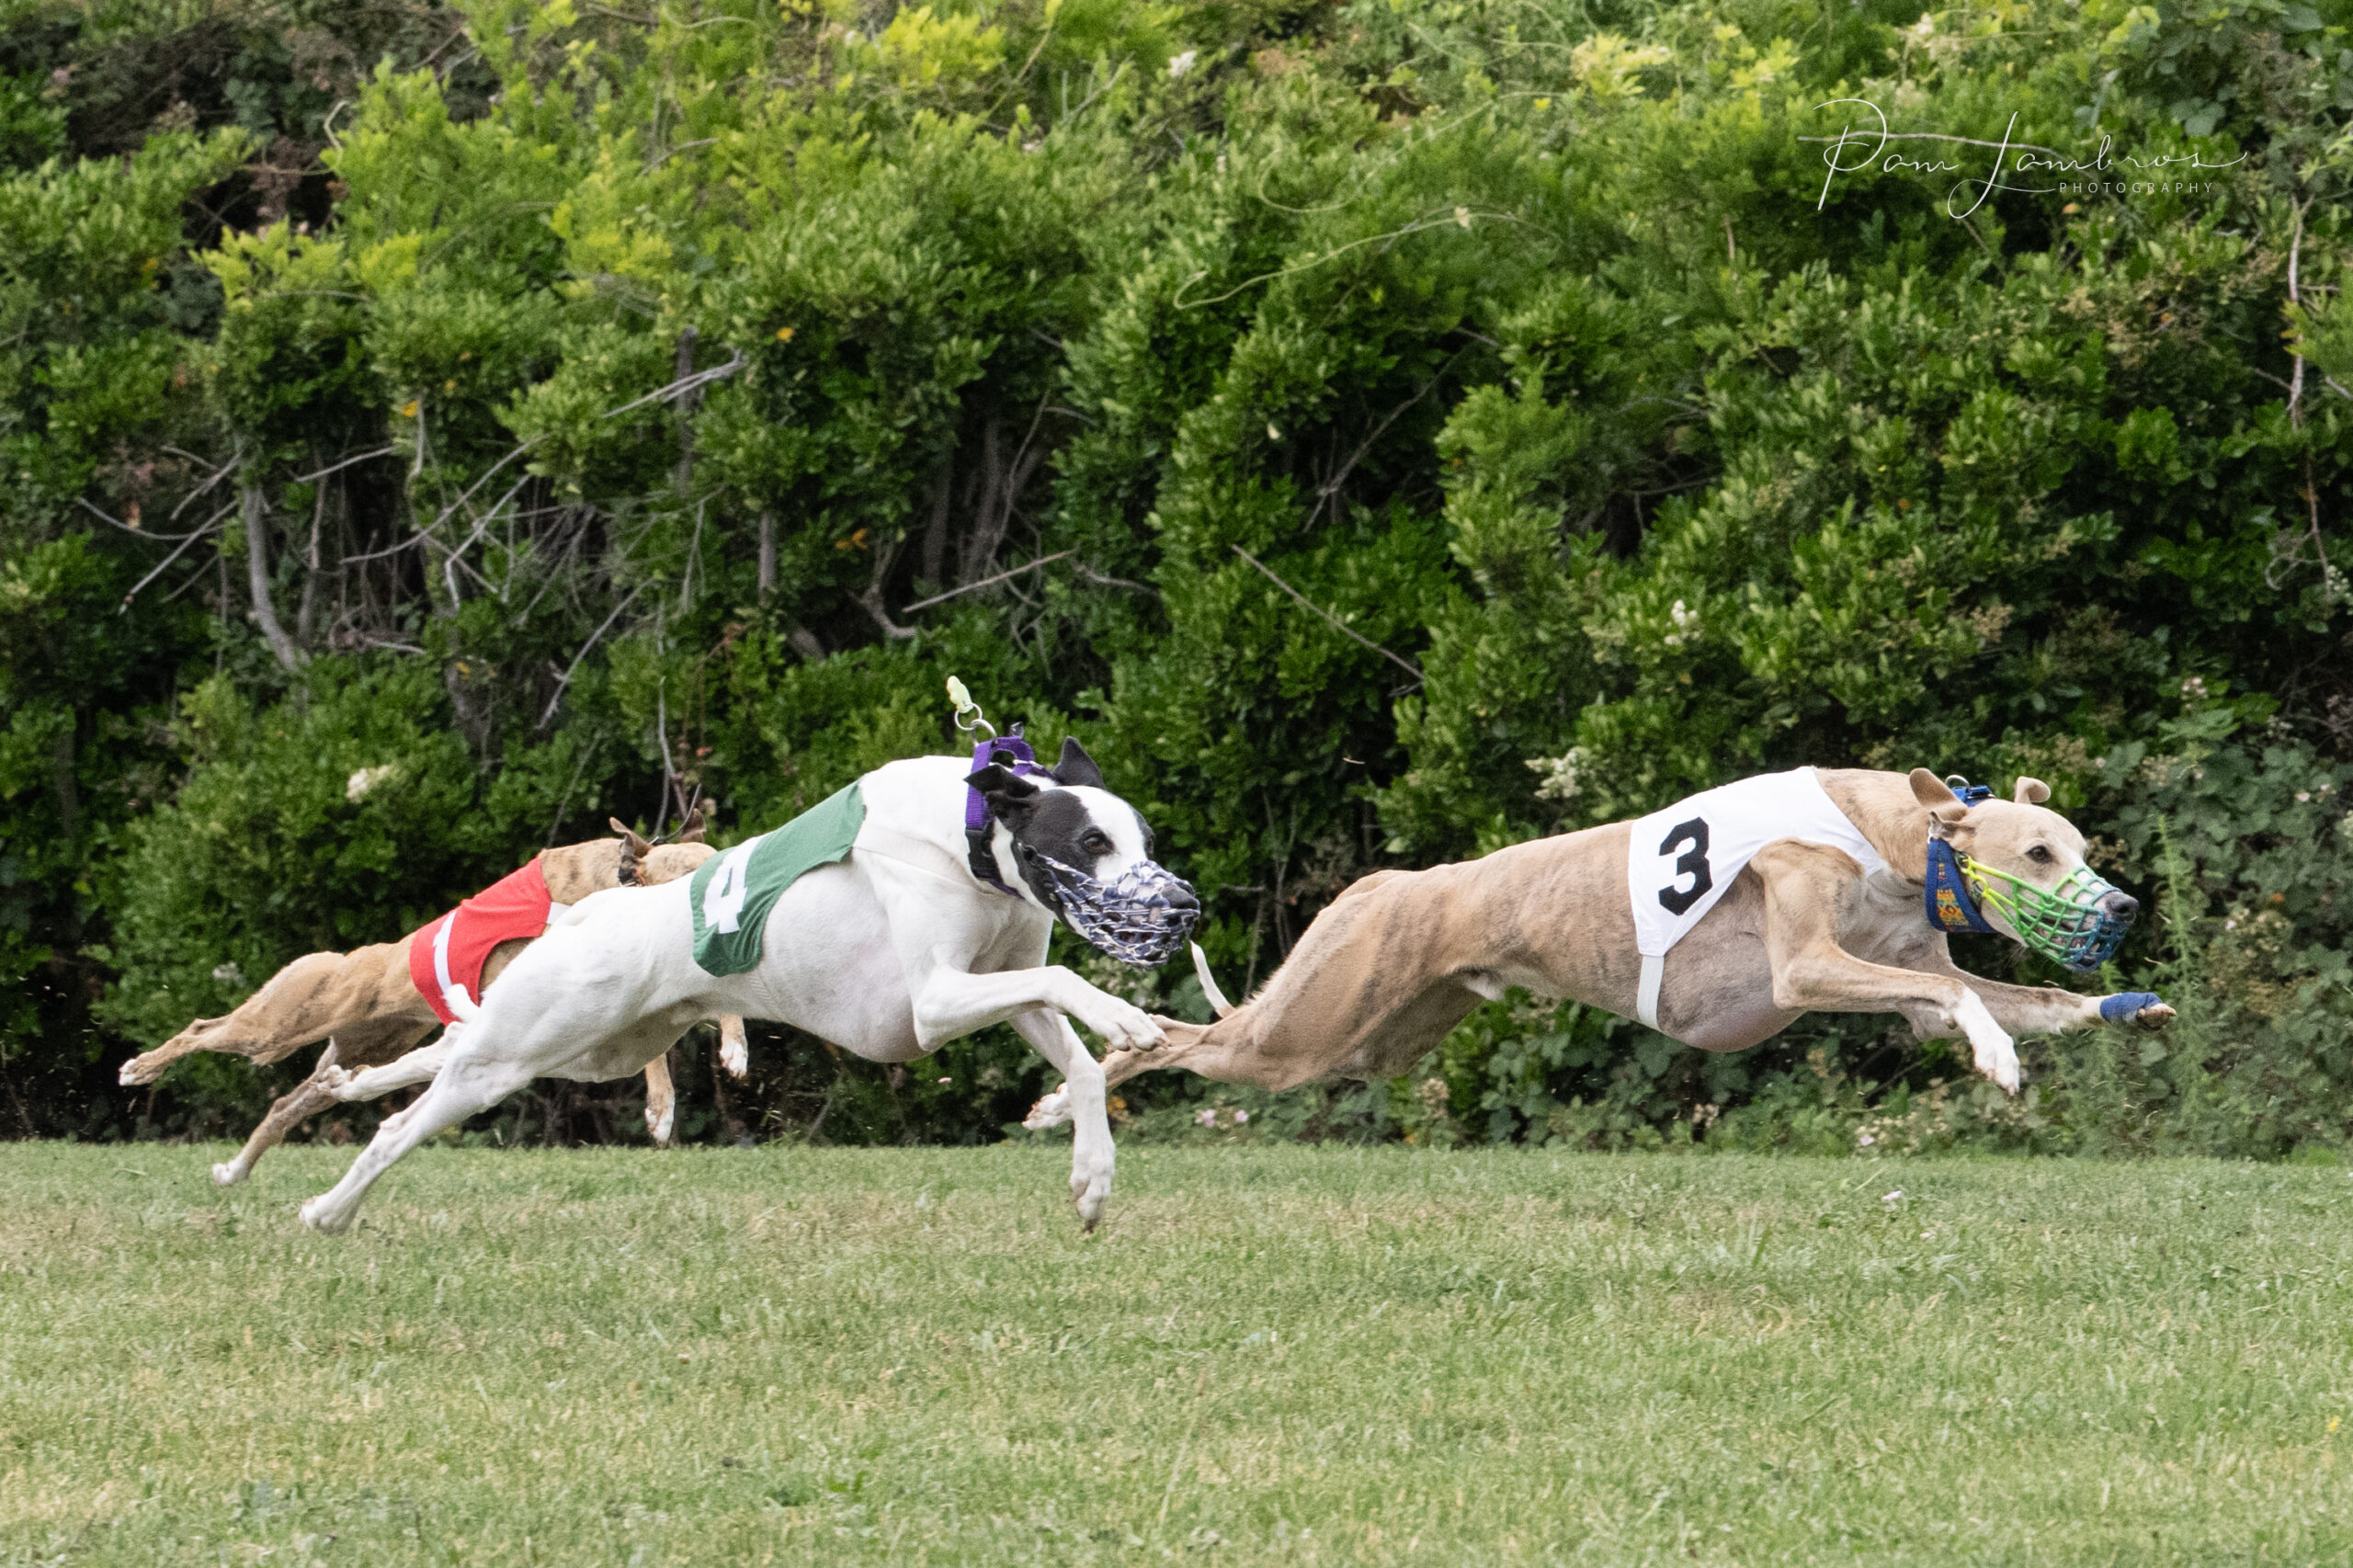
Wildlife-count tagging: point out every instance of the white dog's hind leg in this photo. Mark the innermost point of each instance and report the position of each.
(1092, 1156)
(1996, 1054)
(457, 1094)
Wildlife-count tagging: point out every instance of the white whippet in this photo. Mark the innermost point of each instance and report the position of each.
(912, 938)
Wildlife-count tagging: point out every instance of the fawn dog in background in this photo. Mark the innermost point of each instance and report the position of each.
(1401, 957)
(369, 1002)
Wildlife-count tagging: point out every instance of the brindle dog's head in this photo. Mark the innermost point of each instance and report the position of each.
(628, 859)
(1085, 854)
(2025, 864)
(644, 864)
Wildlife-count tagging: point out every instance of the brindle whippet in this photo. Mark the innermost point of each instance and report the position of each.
(367, 1001)
(1401, 957)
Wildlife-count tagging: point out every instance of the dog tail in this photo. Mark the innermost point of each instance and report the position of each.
(1209, 982)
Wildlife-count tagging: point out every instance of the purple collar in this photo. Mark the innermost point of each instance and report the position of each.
(1009, 752)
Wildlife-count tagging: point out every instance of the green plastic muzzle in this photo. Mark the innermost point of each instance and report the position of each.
(2065, 923)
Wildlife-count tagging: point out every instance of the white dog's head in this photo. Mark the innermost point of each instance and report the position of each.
(1085, 856)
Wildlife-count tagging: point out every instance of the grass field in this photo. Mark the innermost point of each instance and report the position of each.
(1312, 1355)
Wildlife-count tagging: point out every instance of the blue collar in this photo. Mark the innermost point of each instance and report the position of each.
(1949, 907)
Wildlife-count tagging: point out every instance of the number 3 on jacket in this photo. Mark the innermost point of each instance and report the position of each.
(1692, 863)
(1681, 861)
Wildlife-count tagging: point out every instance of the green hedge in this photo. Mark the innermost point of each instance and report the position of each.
(1384, 431)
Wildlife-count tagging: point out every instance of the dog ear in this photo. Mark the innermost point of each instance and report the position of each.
(637, 845)
(1008, 794)
(696, 821)
(2030, 791)
(1075, 767)
(1936, 795)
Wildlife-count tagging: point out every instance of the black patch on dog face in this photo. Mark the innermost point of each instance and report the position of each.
(1058, 825)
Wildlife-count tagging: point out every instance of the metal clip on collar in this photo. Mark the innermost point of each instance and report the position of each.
(1011, 752)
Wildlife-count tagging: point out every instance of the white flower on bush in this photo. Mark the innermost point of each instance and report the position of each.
(1560, 773)
(364, 780)
(228, 973)
(1183, 63)
(1687, 624)
(1240, 1117)
(1205, 1118)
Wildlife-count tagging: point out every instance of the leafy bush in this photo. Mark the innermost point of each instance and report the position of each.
(1383, 431)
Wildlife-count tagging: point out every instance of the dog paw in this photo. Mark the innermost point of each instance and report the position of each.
(1049, 1112)
(1995, 1052)
(2155, 1016)
(336, 1081)
(1124, 1027)
(735, 1051)
(660, 1125)
(320, 1216)
(1090, 1189)
(138, 1071)
(229, 1173)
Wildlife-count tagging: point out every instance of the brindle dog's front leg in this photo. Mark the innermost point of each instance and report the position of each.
(2024, 1009)
(1804, 885)
(363, 1045)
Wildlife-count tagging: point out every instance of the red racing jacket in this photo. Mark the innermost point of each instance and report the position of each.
(445, 958)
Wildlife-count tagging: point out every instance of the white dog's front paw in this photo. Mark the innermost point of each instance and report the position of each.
(229, 1173)
(1995, 1053)
(1123, 1025)
(1090, 1187)
(322, 1217)
(1049, 1112)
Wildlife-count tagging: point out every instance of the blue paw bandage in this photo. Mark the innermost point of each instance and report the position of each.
(2125, 1006)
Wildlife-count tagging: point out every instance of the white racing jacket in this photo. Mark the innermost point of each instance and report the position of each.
(1679, 861)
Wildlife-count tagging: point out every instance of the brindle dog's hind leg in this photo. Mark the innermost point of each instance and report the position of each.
(363, 1045)
(661, 1100)
(314, 997)
(1226, 1057)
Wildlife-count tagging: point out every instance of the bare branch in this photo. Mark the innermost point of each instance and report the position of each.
(989, 582)
(565, 678)
(347, 462)
(162, 566)
(140, 533)
(1338, 624)
(1092, 576)
(258, 579)
(872, 602)
(682, 386)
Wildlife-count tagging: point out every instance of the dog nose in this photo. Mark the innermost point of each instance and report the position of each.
(2123, 905)
(1181, 897)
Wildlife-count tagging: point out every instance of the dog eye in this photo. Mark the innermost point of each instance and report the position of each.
(1096, 843)
(2038, 854)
